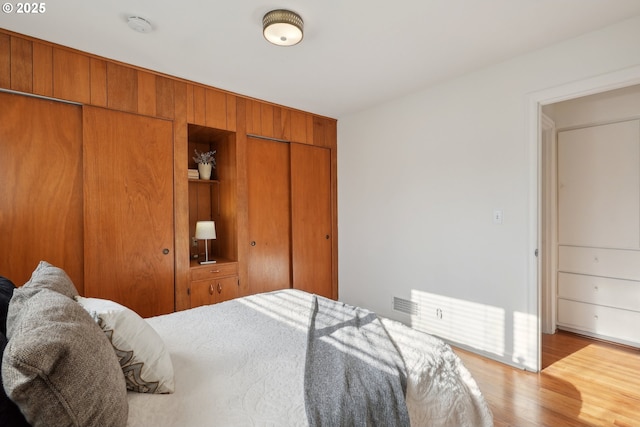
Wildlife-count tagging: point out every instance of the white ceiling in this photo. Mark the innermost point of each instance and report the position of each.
(355, 53)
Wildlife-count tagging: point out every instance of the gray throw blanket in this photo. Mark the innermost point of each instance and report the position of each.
(354, 375)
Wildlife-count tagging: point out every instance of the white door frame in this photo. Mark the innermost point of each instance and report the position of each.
(603, 83)
(548, 225)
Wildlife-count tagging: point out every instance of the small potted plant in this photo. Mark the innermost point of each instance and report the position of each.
(206, 161)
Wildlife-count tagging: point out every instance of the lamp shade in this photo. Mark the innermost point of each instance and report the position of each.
(282, 27)
(205, 230)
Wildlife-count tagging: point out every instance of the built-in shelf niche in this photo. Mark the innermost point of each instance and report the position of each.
(214, 199)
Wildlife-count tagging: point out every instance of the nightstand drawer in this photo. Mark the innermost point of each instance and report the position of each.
(204, 292)
(212, 271)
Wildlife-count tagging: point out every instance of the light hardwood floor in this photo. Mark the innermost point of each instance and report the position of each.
(584, 382)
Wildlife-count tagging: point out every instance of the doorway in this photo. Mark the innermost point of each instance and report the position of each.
(542, 142)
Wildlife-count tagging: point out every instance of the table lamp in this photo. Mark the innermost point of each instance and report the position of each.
(206, 230)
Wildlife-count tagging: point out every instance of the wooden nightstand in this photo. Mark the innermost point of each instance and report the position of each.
(213, 283)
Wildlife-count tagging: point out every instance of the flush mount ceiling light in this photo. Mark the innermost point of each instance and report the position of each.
(139, 24)
(282, 27)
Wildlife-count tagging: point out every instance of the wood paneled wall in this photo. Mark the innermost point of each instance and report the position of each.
(41, 68)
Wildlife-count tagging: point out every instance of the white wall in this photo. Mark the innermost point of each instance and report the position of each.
(420, 177)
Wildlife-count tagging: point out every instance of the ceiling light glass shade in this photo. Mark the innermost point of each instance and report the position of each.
(282, 27)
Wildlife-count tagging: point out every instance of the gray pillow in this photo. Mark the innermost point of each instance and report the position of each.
(59, 367)
(46, 276)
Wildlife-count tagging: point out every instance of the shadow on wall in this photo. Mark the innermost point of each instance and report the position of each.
(474, 325)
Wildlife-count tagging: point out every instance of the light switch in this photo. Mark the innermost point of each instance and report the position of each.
(497, 216)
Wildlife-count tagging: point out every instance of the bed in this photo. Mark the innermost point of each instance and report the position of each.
(246, 362)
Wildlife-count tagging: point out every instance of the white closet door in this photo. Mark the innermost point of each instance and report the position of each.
(599, 186)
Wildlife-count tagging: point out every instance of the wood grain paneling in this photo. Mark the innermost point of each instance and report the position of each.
(41, 175)
(194, 193)
(42, 69)
(203, 207)
(283, 124)
(122, 88)
(21, 65)
(310, 135)
(300, 123)
(231, 112)
(71, 76)
(227, 171)
(189, 104)
(215, 109)
(181, 196)
(266, 120)
(5, 61)
(277, 123)
(252, 117)
(199, 105)
(241, 207)
(324, 132)
(98, 82)
(165, 97)
(128, 210)
(224, 193)
(146, 93)
(203, 203)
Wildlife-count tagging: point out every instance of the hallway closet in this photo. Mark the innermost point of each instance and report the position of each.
(598, 215)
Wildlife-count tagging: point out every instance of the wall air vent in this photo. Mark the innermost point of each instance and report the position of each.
(405, 306)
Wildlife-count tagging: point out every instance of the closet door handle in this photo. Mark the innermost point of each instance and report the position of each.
(211, 289)
(219, 288)
(253, 243)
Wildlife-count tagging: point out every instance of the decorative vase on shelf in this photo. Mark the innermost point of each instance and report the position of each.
(204, 170)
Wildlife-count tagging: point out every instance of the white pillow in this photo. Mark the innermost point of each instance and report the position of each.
(143, 357)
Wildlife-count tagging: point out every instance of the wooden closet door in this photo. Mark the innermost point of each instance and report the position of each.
(128, 222)
(268, 180)
(41, 176)
(311, 219)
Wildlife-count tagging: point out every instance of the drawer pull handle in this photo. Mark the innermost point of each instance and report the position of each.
(211, 289)
(214, 271)
(595, 317)
(219, 288)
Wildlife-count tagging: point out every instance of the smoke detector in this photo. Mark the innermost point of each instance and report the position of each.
(139, 24)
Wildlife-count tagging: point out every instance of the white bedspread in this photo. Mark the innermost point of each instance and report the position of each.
(241, 363)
